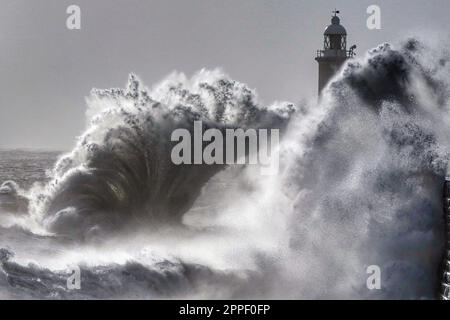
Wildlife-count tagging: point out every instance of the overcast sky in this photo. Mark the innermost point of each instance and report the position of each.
(47, 70)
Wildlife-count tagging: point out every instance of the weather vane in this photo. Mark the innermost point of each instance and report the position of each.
(336, 11)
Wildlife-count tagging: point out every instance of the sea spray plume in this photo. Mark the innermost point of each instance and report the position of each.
(120, 172)
(367, 179)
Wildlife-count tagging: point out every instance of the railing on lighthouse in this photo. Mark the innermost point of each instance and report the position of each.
(337, 53)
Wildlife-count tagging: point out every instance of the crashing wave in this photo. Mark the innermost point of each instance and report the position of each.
(367, 181)
(120, 171)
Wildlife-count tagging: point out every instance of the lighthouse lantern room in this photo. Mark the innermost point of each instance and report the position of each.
(334, 52)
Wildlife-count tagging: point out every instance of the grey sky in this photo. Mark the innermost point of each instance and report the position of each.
(46, 70)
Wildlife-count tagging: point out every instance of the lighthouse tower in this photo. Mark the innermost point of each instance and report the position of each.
(334, 52)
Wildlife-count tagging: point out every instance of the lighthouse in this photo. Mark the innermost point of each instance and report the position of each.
(334, 52)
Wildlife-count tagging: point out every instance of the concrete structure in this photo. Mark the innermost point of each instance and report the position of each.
(445, 283)
(334, 52)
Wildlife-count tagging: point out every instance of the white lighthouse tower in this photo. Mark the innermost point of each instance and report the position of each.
(334, 52)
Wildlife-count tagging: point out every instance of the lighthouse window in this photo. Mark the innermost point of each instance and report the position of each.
(335, 42)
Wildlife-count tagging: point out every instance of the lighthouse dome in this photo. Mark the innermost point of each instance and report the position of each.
(335, 27)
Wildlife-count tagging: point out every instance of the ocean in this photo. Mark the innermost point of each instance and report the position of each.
(26, 167)
(359, 188)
